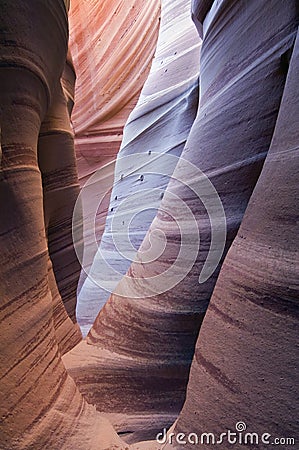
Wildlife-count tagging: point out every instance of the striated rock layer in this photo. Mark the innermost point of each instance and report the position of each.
(154, 137)
(136, 360)
(56, 161)
(112, 43)
(40, 406)
(150, 323)
(245, 366)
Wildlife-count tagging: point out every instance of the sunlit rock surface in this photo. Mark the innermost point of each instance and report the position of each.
(135, 363)
(40, 406)
(245, 366)
(141, 345)
(158, 127)
(112, 44)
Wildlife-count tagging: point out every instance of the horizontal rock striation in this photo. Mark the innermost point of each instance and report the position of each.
(157, 128)
(151, 321)
(245, 366)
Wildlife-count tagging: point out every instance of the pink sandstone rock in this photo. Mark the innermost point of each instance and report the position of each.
(141, 345)
(135, 363)
(157, 128)
(56, 160)
(40, 406)
(112, 57)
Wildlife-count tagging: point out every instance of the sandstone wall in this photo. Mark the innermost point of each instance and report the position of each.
(245, 363)
(154, 137)
(40, 406)
(112, 44)
(141, 345)
(134, 365)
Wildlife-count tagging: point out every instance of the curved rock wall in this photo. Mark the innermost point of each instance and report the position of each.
(112, 57)
(154, 137)
(141, 345)
(40, 406)
(135, 363)
(245, 363)
(56, 161)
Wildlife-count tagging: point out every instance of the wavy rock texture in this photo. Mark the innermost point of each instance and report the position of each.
(137, 361)
(245, 362)
(112, 57)
(56, 160)
(158, 126)
(140, 348)
(41, 408)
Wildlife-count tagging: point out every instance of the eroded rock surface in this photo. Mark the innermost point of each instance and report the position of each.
(41, 408)
(150, 338)
(154, 137)
(56, 161)
(112, 56)
(135, 363)
(245, 366)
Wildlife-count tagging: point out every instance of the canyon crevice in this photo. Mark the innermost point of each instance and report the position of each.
(146, 159)
(149, 169)
(140, 341)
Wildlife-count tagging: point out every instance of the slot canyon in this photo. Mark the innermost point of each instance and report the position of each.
(149, 263)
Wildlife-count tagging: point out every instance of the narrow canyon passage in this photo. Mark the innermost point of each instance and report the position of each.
(149, 224)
